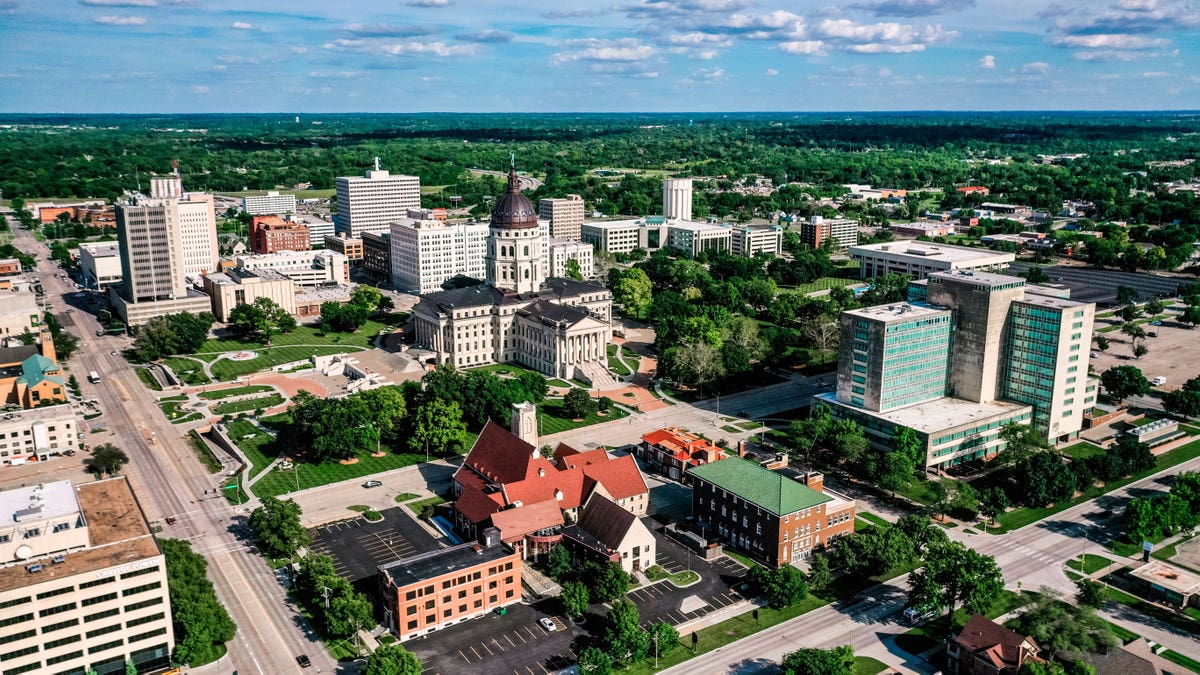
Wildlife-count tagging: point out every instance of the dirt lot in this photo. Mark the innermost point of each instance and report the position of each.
(1174, 354)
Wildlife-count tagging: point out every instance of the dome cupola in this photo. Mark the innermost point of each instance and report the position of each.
(514, 210)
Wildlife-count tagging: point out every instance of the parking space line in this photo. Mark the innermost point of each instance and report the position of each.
(497, 644)
(514, 645)
(476, 653)
(486, 648)
(531, 633)
(460, 653)
(523, 640)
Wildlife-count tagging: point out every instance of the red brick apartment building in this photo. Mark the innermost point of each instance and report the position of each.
(271, 234)
(671, 451)
(773, 518)
(426, 592)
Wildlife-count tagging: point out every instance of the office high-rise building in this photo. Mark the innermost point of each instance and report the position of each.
(677, 198)
(271, 203)
(1001, 352)
(373, 201)
(151, 250)
(197, 234)
(565, 216)
(426, 253)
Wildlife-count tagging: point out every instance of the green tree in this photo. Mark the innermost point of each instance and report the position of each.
(348, 610)
(895, 470)
(1090, 593)
(663, 639)
(366, 296)
(1140, 350)
(820, 578)
(1020, 442)
(697, 364)
(392, 659)
(809, 433)
(607, 582)
(1044, 479)
(577, 404)
(1102, 342)
(808, 661)
(954, 575)
(247, 321)
(782, 587)
(906, 441)
(1058, 626)
(575, 598)
(1121, 382)
(1155, 307)
(1037, 275)
(595, 661)
(993, 501)
(1183, 402)
(849, 441)
(634, 291)
(571, 268)
(277, 529)
(106, 460)
(1126, 295)
(437, 425)
(623, 637)
(201, 622)
(558, 562)
(1190, 315)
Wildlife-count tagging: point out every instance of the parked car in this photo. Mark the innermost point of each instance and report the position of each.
(171, 520)
(303, 661)
(1156, 323)
(1158, 381)
(1095, 355)
(372, 483)
(547, 624)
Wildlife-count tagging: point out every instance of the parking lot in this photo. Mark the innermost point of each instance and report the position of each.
(1173, 353)
(513, 643)
(1089, 284)
(663, 601)
(358, 547)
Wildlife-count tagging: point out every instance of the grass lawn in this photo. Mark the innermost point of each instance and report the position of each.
(506, 369)
(614, 364)
(203, 452)
(1182, 660)
(303, 335)
(176, 414)
(551, 420)
(276, 422)
(248, 404)
(559, 383)
(279, 481)
(825, 283)
(420, 507)
(255, 443)
(865, 665)
(1090, 564)
(405, 497)
(682, 578)
(225, 370)
(748, 426)
(235, 391)
(724, 633)
(148, 379)
(1082, 450)
(750, 564)
(189, 371)
(874, 519)
(918, 491)
(1023, 516)
(729, 429)
(1123, 634)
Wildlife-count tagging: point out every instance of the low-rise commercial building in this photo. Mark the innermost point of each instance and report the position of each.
(752, 241)
(9, 267)
(19, 312)
(672, 451)
(271, 234)
(817, 231)
(83, 582)
(775, 519)
(562, 250)
(922, 229)
(427, 592)
(616, 236)
(34, 435)
(242, 287)
(270, 203)
(305, 268)
(100, 263)
(697, 238)
(351, 247)
(30, 376)
(920, 259)
(608, 533)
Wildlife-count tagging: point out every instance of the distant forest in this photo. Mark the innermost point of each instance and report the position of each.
(104, 155)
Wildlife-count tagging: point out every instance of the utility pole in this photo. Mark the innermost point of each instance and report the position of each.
(325, 594)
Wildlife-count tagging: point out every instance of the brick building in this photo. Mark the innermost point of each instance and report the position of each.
(351, 247)
(773, 518)
(672, 451)
(271, 234)
(427, 592)
(984, 647)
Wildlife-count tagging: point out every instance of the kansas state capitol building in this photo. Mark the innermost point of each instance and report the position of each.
(559, 327)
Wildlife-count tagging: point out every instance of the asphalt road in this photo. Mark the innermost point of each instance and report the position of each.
(169, 481)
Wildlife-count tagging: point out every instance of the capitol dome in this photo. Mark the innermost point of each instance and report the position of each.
(514, 210)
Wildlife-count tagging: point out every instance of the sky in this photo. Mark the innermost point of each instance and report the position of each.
(197, 56)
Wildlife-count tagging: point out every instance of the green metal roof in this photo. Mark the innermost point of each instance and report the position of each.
(776, 493)
(34, 369)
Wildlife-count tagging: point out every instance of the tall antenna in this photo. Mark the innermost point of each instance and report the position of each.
(376, 163)
(175, 167)
(512, 159)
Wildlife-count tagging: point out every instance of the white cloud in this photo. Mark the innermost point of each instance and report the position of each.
(1155, 74)
(592, 49)
(803, 47)
(430, 78)
(913, 8)
(242, 25)
(390, 48)
(200, 89)
(1112, 41)
(709, 73)
(119, 3)
(772, 72)
(387, 30)
(1035, 68)
(988, 62)
(121, 20)
(697, 38)
(428, 3)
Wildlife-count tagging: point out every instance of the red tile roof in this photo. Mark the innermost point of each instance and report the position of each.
(477, 505)
(516, 523)
(621, 477)
(684, 446)
(500, 456)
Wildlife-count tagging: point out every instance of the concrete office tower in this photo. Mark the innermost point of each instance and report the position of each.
(169, 186)
(151, 250)
(371, 202)
(897, 355)
(565, 216)
(677, 198)
(425, 253)
(197, 234)
(271, 203)
(1047, 362)
(981, 301)
(514, 249)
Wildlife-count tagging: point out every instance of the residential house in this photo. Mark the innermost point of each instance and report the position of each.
(984, 647)
(608, 532)
(671, 451)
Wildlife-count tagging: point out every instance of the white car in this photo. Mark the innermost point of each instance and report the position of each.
(547, 624)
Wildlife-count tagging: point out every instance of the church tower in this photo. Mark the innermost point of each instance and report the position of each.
(524, 423)
(514, 250)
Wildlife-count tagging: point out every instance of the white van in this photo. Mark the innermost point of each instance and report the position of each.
(1158, 381)
(915, 615)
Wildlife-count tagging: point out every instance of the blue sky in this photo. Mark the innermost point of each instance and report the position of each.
(142, 56)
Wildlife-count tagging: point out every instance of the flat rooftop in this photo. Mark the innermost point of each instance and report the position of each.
(946, 252)
(53, 413)
(80, 562)
(101, 249)
(939, 414)
(978, 278)
(1051, 301)
(1168, 576)
(35, 502)
(111, 511)
(896, 310)
(419, 568)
